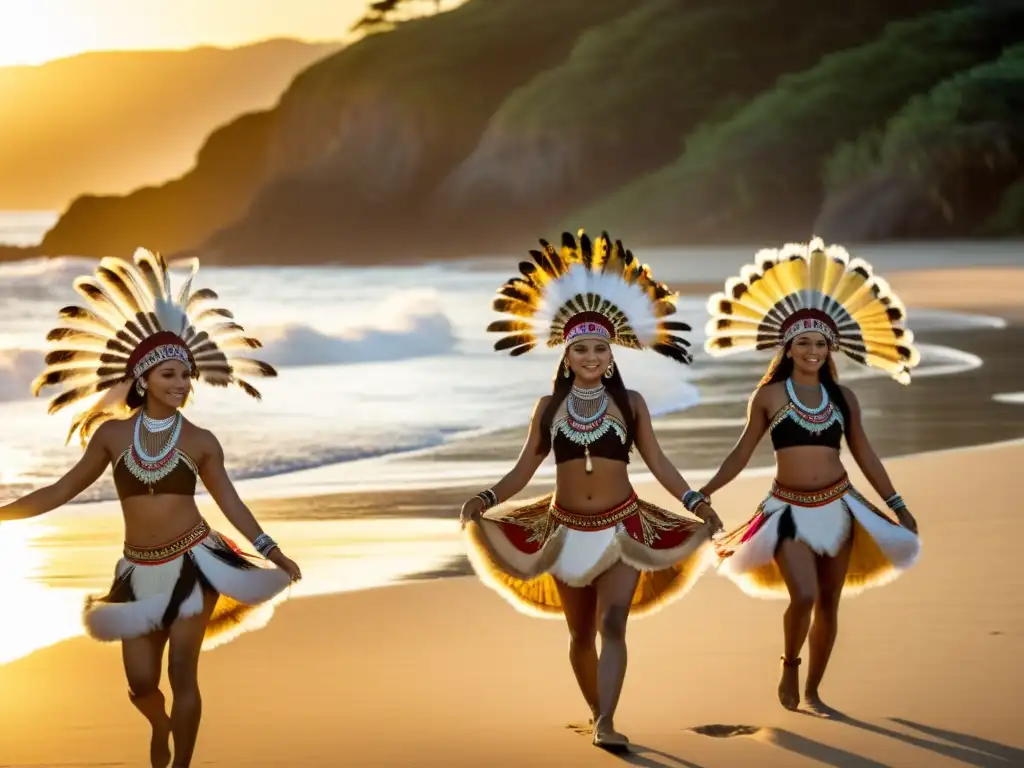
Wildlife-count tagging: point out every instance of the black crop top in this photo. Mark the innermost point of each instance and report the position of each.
(792, 426)
(611, 445)
(181, 481)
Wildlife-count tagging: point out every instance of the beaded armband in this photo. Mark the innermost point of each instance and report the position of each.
(896, 503)
(489, 498)
(692, 499)
(264, 544)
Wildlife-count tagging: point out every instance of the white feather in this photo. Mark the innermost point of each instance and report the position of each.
(578, 280)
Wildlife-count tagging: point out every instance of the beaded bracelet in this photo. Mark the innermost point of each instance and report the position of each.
(489, 498)
(264, 544)
(895, 502)
(693, 498)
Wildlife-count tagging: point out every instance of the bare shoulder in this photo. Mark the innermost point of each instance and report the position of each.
(113, 434)
(636, 399)
(774, 389)
(769, 398)
(541, 405)
(204, 441)
(851, 399)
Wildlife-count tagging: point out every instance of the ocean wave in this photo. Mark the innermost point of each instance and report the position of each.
(947, 320)
(18, 367)
(421, 331)
(418, 328)
(1014, 398)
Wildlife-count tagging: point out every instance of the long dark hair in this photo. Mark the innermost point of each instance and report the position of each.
(560, 390)
(781, 368)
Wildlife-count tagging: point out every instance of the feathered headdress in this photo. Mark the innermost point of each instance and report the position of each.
(587, 289)
(809, 287)
(132, 323)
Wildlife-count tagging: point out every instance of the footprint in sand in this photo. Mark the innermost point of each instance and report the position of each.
(581, 729)
(719, 731)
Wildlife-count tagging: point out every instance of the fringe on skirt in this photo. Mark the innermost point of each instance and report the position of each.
(824, 520)
(521, 553)
(153, 588)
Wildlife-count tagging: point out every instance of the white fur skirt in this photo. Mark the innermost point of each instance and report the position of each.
(523, 553)
(824, 520)
(155, 587)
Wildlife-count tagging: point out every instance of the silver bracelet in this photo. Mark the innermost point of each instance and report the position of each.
(264, 544)
(693, 498)
(489, 498)
(896, 503)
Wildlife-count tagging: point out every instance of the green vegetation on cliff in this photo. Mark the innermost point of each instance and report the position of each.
(759, 173)
(366, 136)
(955, 150)
(666, 121)
(631, 89)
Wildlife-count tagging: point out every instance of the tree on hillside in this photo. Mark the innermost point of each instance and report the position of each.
(384, 14)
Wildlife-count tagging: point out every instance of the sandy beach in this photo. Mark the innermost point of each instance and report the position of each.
(445, 673)
(442, 672)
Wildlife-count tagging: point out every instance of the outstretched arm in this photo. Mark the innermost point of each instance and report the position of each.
(78, 478)
(662, 469)
(870, 464)
(862, 451)
(525, 468)
(222, 490)
(739, 457)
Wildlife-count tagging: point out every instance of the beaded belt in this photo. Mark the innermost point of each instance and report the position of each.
(599, 521)
(167, 552)
(811, 498)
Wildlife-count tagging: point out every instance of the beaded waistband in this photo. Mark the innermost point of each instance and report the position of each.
(811, 498)
(599, 521)
(167, 552)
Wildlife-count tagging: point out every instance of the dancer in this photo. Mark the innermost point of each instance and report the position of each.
(814, 537)
(592, 550)
(179, 582)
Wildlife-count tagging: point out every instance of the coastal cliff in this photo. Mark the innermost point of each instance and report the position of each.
(484, 127)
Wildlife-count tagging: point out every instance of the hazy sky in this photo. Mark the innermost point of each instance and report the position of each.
(33, 31)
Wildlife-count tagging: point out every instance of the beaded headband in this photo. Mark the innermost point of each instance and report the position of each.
(588, 324)
(810, 321)
(159, 348)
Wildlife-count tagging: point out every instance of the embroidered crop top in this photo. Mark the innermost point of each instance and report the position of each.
(179, 479)
(607, 441)
(795, 424)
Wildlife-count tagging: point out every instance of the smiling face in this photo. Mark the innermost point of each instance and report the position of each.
(809, 352)
(589, 358)
(169, 384)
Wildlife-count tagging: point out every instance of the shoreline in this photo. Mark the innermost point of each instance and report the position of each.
(407, 532)
(367, 666)
(457, 566)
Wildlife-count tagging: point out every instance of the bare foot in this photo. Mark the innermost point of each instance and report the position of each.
(606, 737)
(160, 745)
(814, 704)
(789, 684)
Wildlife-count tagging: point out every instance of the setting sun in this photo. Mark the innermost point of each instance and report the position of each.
(41, 30)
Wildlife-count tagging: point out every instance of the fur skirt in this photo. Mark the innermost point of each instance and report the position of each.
(521, 553)
(154, 587)
(824, 520)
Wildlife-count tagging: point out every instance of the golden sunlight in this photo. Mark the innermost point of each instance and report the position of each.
(35, 615)
(32, 32)
(35, 31)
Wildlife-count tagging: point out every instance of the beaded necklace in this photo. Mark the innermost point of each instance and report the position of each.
(587, 420)
(815, 420)
(147, 459)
